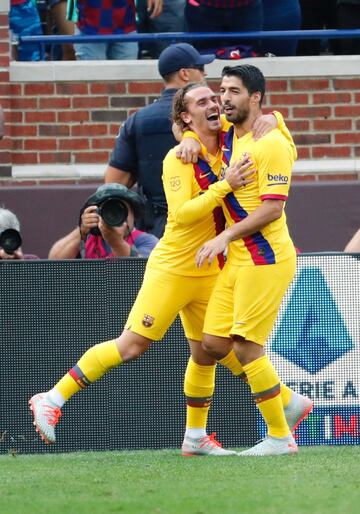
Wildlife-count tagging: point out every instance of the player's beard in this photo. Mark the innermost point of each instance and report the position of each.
(240, 116)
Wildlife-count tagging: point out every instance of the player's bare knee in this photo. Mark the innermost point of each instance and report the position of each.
(214, 346)
(247, 351)
(131, 346)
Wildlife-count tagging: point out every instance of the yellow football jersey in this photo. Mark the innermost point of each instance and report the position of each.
(194, 195)
(273, 158)
(272, 180)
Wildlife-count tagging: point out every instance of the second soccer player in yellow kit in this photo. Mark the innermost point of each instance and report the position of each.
(261, 258)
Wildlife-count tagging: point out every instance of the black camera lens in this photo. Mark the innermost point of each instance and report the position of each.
(113, 211)
(10, 240)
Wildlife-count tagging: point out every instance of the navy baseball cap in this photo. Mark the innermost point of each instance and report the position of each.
(181, 55)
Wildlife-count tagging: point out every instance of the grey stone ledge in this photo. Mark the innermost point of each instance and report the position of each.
(84, 171)
(4, 6)
(145, 70)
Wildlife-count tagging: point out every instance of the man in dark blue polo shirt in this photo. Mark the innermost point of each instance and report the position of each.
(146, 136)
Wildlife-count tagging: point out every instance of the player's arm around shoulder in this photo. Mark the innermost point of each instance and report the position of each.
(177, 180)
(186, 202)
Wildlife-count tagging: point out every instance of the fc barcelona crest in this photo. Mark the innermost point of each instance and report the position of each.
(148, 321)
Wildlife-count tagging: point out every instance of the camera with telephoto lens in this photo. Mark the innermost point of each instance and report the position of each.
(113, 211)
(112, 201)
(10, 240)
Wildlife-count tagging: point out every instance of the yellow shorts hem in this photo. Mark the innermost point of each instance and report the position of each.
(249, 336)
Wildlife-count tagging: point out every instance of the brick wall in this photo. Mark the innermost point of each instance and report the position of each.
(73, 120)
(5, 91)
(70, 123)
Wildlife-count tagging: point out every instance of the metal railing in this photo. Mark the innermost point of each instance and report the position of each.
(174, 37)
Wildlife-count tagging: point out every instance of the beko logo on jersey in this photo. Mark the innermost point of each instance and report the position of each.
(278, 179)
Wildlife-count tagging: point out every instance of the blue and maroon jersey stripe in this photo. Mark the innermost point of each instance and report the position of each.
(205, 177)
(226, 142)
(256, 244)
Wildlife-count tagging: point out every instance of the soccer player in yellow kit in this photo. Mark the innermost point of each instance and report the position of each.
(261, 259)
(172, 284)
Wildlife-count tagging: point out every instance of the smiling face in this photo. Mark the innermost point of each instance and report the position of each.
(202, 111)
(236, 101)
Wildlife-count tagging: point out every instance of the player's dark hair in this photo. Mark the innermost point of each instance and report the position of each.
(251, 77)
(180, 102)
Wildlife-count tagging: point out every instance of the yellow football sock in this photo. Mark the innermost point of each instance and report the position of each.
(286, 393)
(265, 387)
(231, 362)
(92, 365)
(199, 384)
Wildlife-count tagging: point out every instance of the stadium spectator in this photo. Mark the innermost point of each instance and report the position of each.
(353, 245)
(96, 18)
(318, 15)
(146, 136)
(95, 239)
(223, 16)
(281, 15)
(61, 26)
(171, 19)
(2, 123)
(24, 20)
(10, 237)
(348, 16)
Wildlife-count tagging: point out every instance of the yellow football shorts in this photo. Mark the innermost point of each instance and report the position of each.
(246, 300)
(162, 296)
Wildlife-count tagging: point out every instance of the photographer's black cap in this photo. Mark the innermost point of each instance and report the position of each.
(114, 190)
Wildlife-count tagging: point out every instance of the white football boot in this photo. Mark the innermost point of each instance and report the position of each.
(272, 446)
(46, 416)
(297, 410)
(205, 445)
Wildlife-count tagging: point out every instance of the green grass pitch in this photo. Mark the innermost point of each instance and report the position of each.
(319, 480)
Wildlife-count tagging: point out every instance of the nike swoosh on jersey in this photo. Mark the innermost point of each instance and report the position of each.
(239, 322)
(224, 149)
(204, 175)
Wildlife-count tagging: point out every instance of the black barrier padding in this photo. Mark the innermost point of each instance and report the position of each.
(51, 312)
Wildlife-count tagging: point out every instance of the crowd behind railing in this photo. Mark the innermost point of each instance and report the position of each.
(130, 17)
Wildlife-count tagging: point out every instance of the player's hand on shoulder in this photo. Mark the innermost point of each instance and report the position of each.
(263, 125)
(188, 150)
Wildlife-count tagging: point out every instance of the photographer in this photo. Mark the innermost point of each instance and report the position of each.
(106, 228)
(10, 238)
